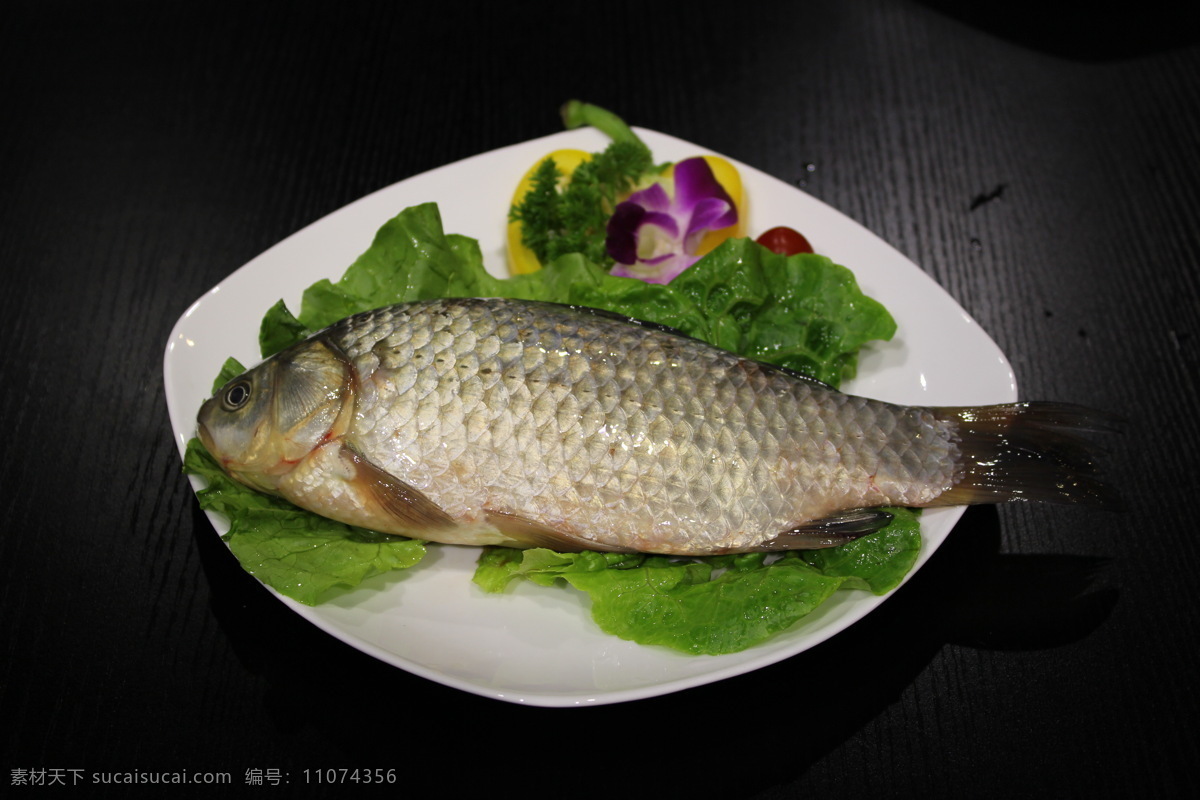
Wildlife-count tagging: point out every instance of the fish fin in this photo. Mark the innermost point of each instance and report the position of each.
(408, 506)
(839, 528)
(658, 326)
(613, 315)
(791, 373)
(1030, 451)
(529, 533)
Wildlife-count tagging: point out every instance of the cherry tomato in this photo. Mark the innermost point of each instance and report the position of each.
(784, 241)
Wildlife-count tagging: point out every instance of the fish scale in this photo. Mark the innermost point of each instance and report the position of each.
(674, 461)
(507, 422)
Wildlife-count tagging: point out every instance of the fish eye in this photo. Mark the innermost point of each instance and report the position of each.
(236, 396)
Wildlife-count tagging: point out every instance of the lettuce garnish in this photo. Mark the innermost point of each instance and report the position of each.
(301, 555)
(718, 604)
(802, 312)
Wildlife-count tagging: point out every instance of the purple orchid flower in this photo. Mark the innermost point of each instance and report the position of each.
(654, 237)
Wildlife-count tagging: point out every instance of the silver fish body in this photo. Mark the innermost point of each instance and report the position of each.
(476, 421)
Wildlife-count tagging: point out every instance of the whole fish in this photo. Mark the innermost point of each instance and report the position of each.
(485, 421)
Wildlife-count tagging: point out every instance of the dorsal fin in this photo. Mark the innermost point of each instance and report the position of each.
(658, 326)
(791, 373)
(614, 315)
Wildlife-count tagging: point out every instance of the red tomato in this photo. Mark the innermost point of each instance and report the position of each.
(784, 241)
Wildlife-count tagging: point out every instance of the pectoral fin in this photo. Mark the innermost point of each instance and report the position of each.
(830, 531)
(408, 507)
(337, 482)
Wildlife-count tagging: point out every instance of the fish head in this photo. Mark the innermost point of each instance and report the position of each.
(264, 422)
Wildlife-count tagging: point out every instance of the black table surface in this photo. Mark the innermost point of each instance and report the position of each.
(1045, 173)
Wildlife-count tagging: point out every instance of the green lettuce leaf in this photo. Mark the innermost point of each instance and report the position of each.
(720, 604)
(229, 370)
(876, 563)
(299, 554)
(685, 607)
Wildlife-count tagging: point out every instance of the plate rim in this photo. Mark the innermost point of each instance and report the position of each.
(582, 138)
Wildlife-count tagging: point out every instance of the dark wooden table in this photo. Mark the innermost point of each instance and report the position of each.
(1046, 175)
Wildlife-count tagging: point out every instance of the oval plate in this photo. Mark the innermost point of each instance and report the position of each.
(538, 645)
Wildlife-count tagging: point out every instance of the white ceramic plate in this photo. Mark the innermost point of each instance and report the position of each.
(538, 645)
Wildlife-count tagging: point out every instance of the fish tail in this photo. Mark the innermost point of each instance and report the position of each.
(1030, 451)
